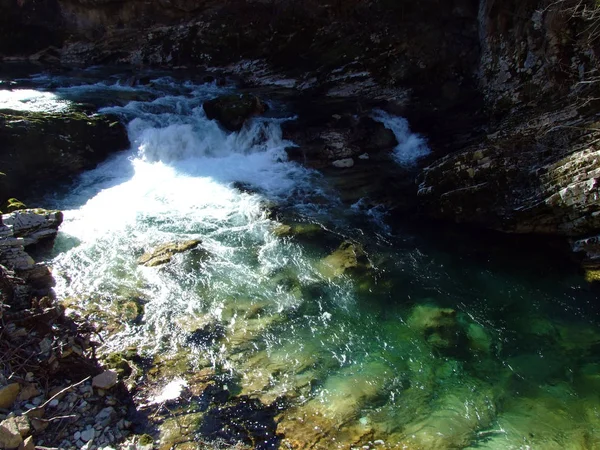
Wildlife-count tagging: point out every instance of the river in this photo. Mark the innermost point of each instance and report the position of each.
(364, 331)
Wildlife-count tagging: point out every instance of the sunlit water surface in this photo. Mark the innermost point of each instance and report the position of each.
(422, 348)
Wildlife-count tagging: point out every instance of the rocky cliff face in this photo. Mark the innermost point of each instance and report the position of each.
(537, 167)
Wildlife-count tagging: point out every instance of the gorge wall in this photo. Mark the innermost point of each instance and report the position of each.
(505, 90)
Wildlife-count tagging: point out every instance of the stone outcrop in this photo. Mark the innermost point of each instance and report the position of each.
(323, 138)
(232, 111)
(534, 179)
(537, 167)
(38, 148)
(20, 277)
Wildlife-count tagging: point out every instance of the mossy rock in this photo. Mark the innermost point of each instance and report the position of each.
(37, 148)
(232, 111)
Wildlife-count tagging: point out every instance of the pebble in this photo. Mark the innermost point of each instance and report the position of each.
(88, 434)
(105, 380)
(53, 403)
(77, 435)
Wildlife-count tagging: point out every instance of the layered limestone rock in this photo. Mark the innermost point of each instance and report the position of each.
(20, 276)
(24, 228)
(536, 169)
(540, 178)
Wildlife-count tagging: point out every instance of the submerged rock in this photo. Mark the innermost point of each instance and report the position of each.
(439, 326)
(349, 257)
(164, 252)
(307, 230)
(37, 148)
(245, 421)
(232, 111)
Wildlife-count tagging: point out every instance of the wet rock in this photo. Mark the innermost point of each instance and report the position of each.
(106, 380)
(336, 141)
(176, 431)
(455, 418)
(245, 421)
(8, 395)
(164, 252)
(33, 225)
(349, 257)
(298, 230)
(206, 335)
(439, 326)
(343, 163)
(25, 228)
(590, 247)
(38, 148)
(479, 340)
(232, 111)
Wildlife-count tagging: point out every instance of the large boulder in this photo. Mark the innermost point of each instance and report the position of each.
(37, 148)
(335, 137)
(232, 111)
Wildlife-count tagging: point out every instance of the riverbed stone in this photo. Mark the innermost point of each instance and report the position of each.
(232, 111)
(439, 326)
(349, 257)
(163, 253)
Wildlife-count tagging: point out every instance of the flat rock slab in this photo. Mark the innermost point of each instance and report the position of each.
(164, 252)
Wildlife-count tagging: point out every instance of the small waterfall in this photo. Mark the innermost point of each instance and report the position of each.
(410, 146)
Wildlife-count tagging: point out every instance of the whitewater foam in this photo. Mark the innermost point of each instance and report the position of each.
(411, 147)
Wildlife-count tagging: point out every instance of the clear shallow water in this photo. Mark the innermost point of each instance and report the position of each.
(420, 347)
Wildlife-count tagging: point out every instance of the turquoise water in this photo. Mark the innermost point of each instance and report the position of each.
(370, 332)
